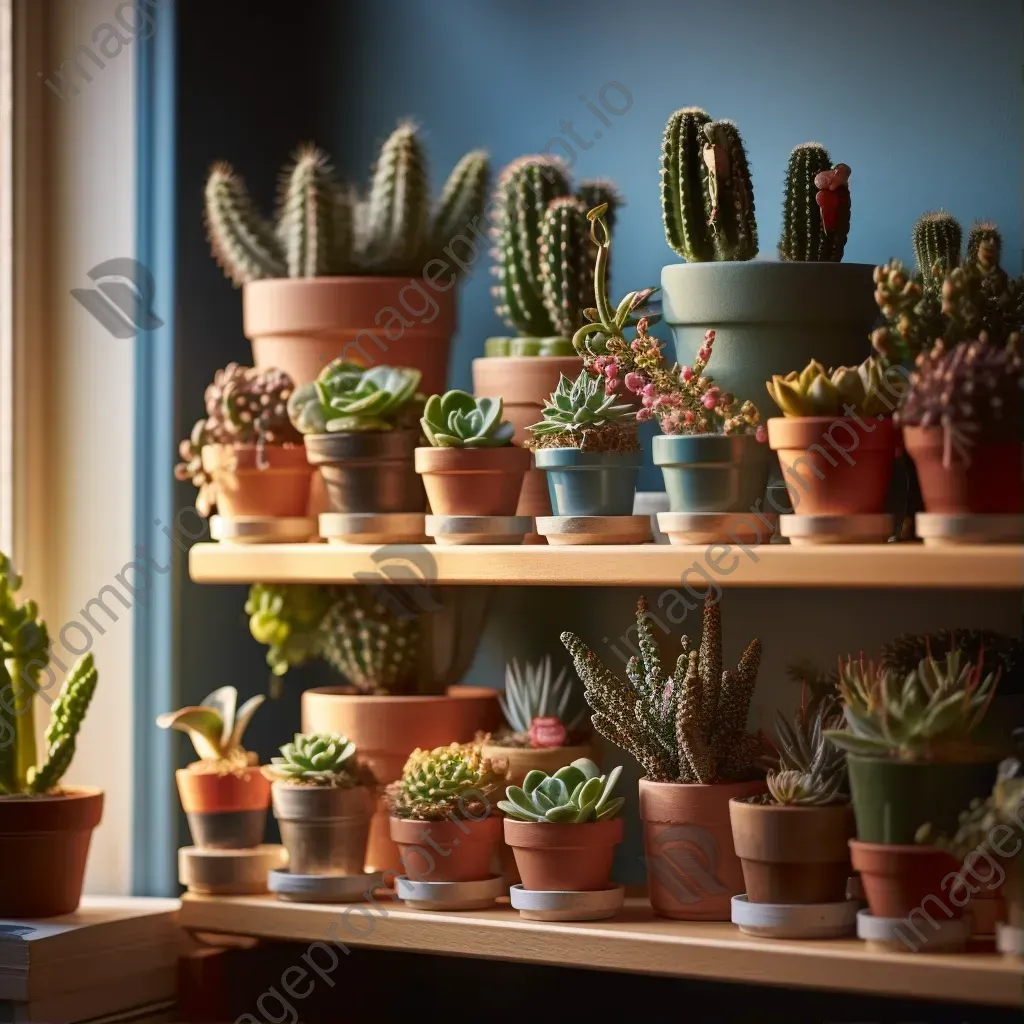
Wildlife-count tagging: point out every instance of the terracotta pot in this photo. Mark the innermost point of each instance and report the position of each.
(554, 857)
(983, 477)
(324, 828)
(834, 465)
(226, 810)
(387, 729)
(900, 879)
(793, 854)
(368, 472)
(692, 868)
(473, 481)
(448, 851)
(44, 844)
(272, 481)
(301, 325)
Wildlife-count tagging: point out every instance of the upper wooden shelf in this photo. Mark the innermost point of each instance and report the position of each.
(635, 942)
(988, 567)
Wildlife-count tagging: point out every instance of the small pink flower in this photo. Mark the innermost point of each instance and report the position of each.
(688, 417)
(647, 401)
(643, 415)
(761, 433)
(714, 391)
(610, 386)
(648, 388)
(610, 370)
(687, 373)
(704, 354)
(599, 364)
(709, 338)
(709, 401)
(635, 383)
(635, 345)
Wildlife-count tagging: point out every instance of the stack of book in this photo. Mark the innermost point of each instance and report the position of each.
(114, 959)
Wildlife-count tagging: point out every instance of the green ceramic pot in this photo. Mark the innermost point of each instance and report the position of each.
(590, 483)
(893, 799)
(711, 472)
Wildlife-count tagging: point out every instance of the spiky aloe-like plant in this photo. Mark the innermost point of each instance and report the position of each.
(216, 726)
(816, 210)
(690, 726)
(811, 768)
(937, 238)
(324, 228)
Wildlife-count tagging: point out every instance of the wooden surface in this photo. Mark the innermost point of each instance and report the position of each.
(772, 565)
(635, 942)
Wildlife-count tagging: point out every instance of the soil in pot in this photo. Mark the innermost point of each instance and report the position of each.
(590, 483)
(553, 857)
(473, 481)
(712, 472)
(226, 809)
(692, 868)
(448, 851)
(369, 471)
(324, 828)
(834, 465)
(982, 477)
(44, 845)
(900, 879)
(253, 480)
(793, 854)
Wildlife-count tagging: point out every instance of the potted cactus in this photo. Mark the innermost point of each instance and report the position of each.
(911, 760)
(323, 800)
(564, 827)
(445, 793)
(343, 276)
(244, 455)
(360, 429)
(767, 314)
(689, 732)
(45, 828)
(223, 794)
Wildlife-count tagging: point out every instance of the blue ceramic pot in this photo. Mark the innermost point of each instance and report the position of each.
(590, 483)
(712, 472)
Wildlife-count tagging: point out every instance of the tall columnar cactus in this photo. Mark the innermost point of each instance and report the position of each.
(565, 255)
(816, 209)
(462, 198)
(937, 238)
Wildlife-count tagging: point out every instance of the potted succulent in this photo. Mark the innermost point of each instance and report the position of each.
(445, 793)
(244, 455)
(911, 761)
(223, 794)
(564, 827)
(360, 429)
(340, 276)
(689, 732)
(45, 828)
(323, 800)
(767, 314)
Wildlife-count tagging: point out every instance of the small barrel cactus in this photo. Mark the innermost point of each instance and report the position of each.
(458, 420)
(984, 248)
(937, 238)
(350, 398)
(816, 210)
(321, 759)
(577, 793)
(581, 414)
(453, 781)
(846, 391)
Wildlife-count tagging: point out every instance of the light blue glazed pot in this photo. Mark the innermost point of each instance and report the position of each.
(712, 472)
(590, 483)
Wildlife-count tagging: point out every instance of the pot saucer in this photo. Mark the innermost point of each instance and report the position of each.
(906, 936)
(478, 529)
(1009, 940)
(373, 527)
(565, 530)
(567, 905)
(794, 920)
(322, 888)
(937, 529)
(449, 895)
(862, 529)
(262, 530)
(717, 527)
(229, 872)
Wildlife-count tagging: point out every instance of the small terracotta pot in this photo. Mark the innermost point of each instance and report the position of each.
(473, 481)
(900, 879)
(834, 465)
(555, 857)
(44, 844)
(793, 854)
(225, 810)
(300, 325)
(252, 481)
(983, 477)
(692, 868)
(448, 851)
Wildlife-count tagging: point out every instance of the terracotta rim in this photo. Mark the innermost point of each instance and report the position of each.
(235, 458)
(802, 432)
(670, 801)
(73, 809)
(549, 835)
(506, 459)
(207, 792)
(410, 832)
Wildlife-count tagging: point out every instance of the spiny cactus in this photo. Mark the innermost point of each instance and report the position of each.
(581, 414)
(816, 210)
(453, 781)
(458, 420)
(216, 725)
(980, 646)
(984, 247)
(811, 769)
(577, 793)
(565, 255)
(846, 391)
(319, 759)
(462, 198)
(688, 727)
(937, 238)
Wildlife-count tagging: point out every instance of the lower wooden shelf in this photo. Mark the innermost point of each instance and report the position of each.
(635, 942)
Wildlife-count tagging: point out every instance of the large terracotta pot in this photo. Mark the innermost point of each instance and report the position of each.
(249, 481)
(554, 857)
(386, 730)
(44, 844)
(899, 879)
(983, 477)
(300, 325)
(692, 868)
(834, 465)
(226, 810)
(448, 851)
(473, 481)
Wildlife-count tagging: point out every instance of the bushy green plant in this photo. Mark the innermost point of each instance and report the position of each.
(582, 414)
(350, 398)
(454, 781)
(458, 420)
(216, 725)
(577, 793)
(811, 768)
(318, 759)
(846, 391)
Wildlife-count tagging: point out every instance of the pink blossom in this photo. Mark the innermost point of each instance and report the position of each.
(709, 401)
(647, 401)
(599, 363)
(610, 386)
(709, 338)
(611, 370)
(643, 415)
(714, 391)
(648, 388)
(761, 433)
(704, 354)
(688, 417)
(635, 344)
(687, 373)
(635, 382)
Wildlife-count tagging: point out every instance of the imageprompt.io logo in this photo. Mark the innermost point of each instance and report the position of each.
(122, 300)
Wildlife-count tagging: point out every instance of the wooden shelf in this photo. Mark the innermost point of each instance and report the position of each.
(989, 567)
(634, 942)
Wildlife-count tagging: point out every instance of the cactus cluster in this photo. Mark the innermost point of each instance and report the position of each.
(811, 768)
(582, 414)
(577, 794)
(216, 727)
(318, 759)
(816, 208)
(458, 420)
(535, 704)
(454, 781)
(980, 646)
(846, 391)
(324, 227)
(690, 726)
(544, 253)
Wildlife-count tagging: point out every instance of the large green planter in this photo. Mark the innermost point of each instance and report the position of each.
(893, 799)
(769, 318)
(590, 483)
(712, 472)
